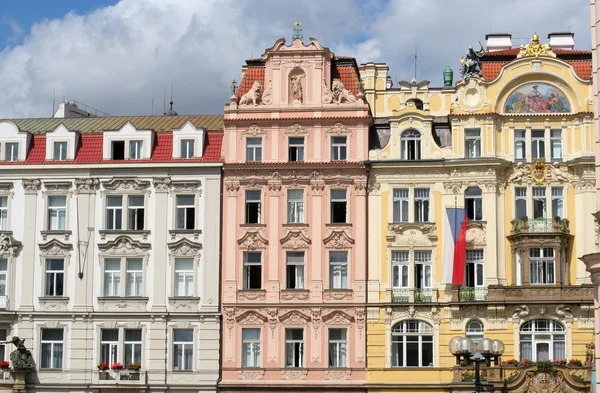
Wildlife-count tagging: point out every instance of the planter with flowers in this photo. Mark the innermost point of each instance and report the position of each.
(5, 370)
(119, 372)
(117, 366)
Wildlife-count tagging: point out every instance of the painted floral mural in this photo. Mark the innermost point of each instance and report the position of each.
(537, 98)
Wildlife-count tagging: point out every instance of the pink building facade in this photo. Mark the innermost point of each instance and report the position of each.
(294, 223)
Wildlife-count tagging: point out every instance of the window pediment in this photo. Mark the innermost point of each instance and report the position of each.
(415, 234)
(61, 134)
(338, 318)
(55, 247)
(250, 318)
(58, 187)
(295, 239)
(188, 132)
(184, 248)
(124, 245)
(338, 239)
(294, 318)
(252, 240)
(125, 185)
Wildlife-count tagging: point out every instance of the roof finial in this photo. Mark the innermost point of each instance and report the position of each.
(297, 31)
(171, 111)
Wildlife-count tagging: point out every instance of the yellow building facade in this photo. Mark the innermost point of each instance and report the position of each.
(514, 146)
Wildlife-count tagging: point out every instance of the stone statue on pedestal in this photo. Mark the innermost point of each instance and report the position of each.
(21, 357)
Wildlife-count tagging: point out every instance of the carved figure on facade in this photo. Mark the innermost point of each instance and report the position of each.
(31, 185)
(294, 318)
(253, 95)
(476, 233)
(337, 318)
(125, 184)
(315, 317)
(520, 312)
(338, 239)
(590, 353)
(255, 130)
(272, 312)
(8, 245)
(267, 98)
(161, 184)
(411, 234)
(21, 357)
(339, 93)
(470, 63)
(87, 185)
(327, 94)
(535, 49)
(296, 85)
(252, 240)
(295, 239)
(250, 318)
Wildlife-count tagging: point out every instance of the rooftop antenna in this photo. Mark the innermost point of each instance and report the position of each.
(164, 101)
(416, 62)
(152, 110)
(53, 100)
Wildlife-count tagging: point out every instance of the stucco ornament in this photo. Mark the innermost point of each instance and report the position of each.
(338, 239)
(535, 49)
(294, 318)
(255, 130)
(267, 98)
(295, 239)
(340, 93)
(252, 240)
(476, 233)
(125, 184)
(327, 94)
(253, 95)
(540, 172)
(337, 318)
(86, 185)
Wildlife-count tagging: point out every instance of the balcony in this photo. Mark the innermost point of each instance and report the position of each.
(131, 377)
(540, 225)
(472, 294)
(401, 295)
(414, 295)
(541, 293)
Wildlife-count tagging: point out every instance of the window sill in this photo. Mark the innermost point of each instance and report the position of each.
(182, 371)
(253, 225)
(292, 225)
(56, 233)
(183, 232)
(54, 298)
(129, 232)
(338, 224)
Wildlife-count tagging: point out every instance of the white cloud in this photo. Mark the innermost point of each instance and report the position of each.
(117, 58)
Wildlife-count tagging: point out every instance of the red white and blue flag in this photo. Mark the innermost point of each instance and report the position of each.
(455, 242)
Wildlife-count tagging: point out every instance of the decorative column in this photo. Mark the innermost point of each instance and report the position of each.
(230, 247)
(360, 234)
(160, 255)
(275, 253)
(592, 262)
(30, 188)
(316, 225)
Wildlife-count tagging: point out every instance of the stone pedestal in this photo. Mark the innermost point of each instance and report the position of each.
(19, 381)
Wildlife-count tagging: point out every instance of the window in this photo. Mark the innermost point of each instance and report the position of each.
(296, 149)
(55, 275)
(252, 270)
(252, 207)
(136, 150)
(400, 205)
(412, 344)
(134, 277)
(475, 330)
(3, 213)
(338, 269)
(135, 216)
(400, 262)
(542, 339)
(541, 265)
(187, 148)
(295, 206)
(410, 145)
(60, 151)
(12, 152)
(52, 348)
(3, 339)
(133, 346)
(557, 202)
(294, 347)
(539, 202)
(254, 149)
(3, 276)
(520, 143)
(183, 349)
(520, 202)
(250, 347)
(114, 212)
(421, 205)
(112, 277)
(109, 345)
(132, 271)
(294, 270)
(538, 144)
(118, 150)
(338, 348)
(186, 212)
(556, 144)
(422, 269)
(338, 148)
(474, 269)
(474, 203)
(57, 213)
(472, 143)
(184, 277)
(338, 206)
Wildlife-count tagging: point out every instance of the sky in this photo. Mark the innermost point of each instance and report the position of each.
(119, 56)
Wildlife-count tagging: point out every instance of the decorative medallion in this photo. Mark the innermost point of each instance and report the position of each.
(539, 171)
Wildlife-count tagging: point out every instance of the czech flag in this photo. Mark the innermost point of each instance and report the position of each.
(454, 249)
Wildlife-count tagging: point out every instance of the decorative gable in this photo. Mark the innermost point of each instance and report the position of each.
(294, 318)
(124, 144)
(250, 318)
(61, 144)
(337, 318)
(188, 141)
(10, 135)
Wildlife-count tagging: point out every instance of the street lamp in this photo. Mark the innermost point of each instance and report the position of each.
(486, 350)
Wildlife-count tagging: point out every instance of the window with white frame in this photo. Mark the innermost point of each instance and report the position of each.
(542, 339)
(112, 277)
(133, 346)
(183, 349)
(401, 203)
(294, 347)
(539, 202)
(400, 268)
(187, 148)
(410, 145)
(412, 344)
(111, 342)
(295, 206)
(135, 213)
(131, 269)
(296, 149)
(57, 212)
(59, 151)
(184, 277)
(338, 348)
(472, 143)
(250, 347)
(422, 205)
(474, 268)
(3, 276)
(520, 145)
(338, 148)
(51, 353)
(474, 330)
(252, 270)
(3, 340)
(11, 152)
(557, 202)
(109, 345)
(114, 212)
(3, 213)
(338, 269)
(422, 269)
(339, 206)
(185, 212)
(520, 202)
(542, 265)
(55, 276)
(254, 149)
(253, 206)
(133, 274)
(294, 270)
(556, 144)
(538, 144)
(136, 150)
(474, 203)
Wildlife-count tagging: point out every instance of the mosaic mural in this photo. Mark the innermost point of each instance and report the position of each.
(537, 98)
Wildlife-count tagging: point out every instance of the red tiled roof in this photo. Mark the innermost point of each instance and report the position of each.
(491, 69)
(348, 75)
(583, 68)
(252, 74)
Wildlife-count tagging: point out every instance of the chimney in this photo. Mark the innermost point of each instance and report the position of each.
(562, 40)
(496, 42)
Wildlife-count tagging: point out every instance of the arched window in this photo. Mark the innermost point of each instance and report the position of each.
(417, 103)
(410, 145)
(474, 203)
(475, 330)
(542, 339)
(412, 344)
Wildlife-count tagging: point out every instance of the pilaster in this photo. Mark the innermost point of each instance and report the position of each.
(30, 188)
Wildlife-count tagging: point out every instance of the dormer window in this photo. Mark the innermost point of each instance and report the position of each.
(118, 150)
(187, 148)
(127, 143)
(188, 141)
(11, 152)
(410, 145)
(136, 151)
(60, 151)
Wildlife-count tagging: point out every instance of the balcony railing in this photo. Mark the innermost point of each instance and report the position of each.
(400, 295)
(125, 376)
(472, 294)
(540, 225)
(423, 295)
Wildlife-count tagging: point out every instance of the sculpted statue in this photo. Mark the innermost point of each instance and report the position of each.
(558, 173)
(519, 173)
(21, 357)
(340, 93)
(5, 243)
(590, 350)
(470, 63)
(297, 88)
(253, 94)
(535, 49)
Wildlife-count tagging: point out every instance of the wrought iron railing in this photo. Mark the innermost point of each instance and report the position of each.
(423, 295)
(400, 295)
(472, 294)
(540, 225)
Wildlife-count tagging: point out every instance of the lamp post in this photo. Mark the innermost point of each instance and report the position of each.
(486, 350)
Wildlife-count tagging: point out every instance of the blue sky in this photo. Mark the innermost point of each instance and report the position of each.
(119, 55)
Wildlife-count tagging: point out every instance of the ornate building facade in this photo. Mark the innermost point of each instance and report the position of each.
(512, 143)
(109, 251)
(294, 223)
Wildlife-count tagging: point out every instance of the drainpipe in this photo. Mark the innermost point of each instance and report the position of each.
(367, 165)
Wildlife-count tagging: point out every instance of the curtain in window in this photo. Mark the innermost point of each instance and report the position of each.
(559, 350)
(526, 350)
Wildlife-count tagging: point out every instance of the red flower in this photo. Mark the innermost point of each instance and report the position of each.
(103, 366)
(4, 364)
(117, 366)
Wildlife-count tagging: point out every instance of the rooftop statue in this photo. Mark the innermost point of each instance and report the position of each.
(21, 357)
(470, 63)
(535, 49)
